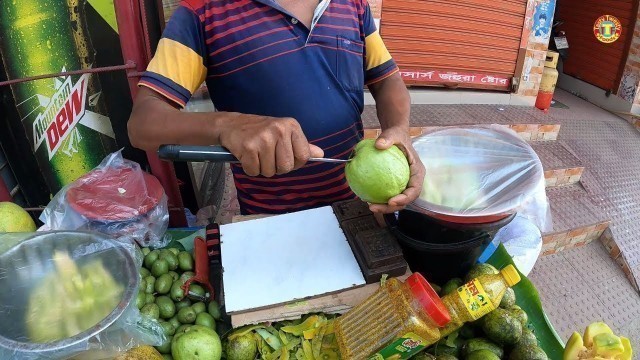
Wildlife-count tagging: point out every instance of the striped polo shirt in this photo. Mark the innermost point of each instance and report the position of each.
(256, 58)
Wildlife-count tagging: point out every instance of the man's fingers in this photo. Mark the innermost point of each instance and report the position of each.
(267, 161)
(409, 194)
(301, 148)
(384, 142)
(391, 137)
(416, 180)
(315, 151)
(384, 209)
(285, 161)
(250, 163)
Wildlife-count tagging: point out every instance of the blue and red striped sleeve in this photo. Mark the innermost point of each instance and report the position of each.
(178, 67)
(378, 61)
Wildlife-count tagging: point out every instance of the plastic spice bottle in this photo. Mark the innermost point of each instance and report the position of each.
(477, 298)
(396, 322)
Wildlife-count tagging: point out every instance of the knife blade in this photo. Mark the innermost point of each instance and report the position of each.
(213, 153)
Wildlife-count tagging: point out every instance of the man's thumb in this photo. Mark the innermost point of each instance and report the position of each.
(315, 151)
(383, 143)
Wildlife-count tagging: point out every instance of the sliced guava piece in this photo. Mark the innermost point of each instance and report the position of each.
(594, 329)
(627, 354)
(430, 192)
(574, 348)
(607, 345)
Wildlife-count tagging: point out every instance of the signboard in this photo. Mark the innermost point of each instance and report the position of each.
(66, 119)
(607, 29)
(452, 78)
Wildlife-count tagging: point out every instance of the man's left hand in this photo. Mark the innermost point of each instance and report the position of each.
(399, 136)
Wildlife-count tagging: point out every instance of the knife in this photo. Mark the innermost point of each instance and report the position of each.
(211, 153)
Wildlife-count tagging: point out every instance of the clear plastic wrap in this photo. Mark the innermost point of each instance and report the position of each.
(116, 198)
(523, 241)
(480, 172)
(71, 294)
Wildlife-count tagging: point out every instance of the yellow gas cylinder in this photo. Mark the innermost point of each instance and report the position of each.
(548, 81)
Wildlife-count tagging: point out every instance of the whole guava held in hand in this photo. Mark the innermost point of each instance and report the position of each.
(376, 176)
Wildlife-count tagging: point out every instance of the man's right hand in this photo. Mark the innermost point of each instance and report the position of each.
(266, 145)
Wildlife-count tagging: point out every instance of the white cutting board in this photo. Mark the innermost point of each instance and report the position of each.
(283, 258)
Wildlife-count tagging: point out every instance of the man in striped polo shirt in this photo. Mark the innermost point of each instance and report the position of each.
(287, 79)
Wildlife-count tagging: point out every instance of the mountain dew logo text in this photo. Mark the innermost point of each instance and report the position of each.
(61, 116)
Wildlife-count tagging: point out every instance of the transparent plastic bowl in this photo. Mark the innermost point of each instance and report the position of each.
(25, 264)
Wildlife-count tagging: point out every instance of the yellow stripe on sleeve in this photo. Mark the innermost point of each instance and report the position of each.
(377, 53)
(179, 63)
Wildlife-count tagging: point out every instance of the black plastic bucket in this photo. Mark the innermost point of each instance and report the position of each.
(437, 251)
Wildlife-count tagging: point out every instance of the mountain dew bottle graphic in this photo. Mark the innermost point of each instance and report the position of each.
(65, 118)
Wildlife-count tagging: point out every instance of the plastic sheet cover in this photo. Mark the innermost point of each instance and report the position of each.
(523, 241)
(481, 171)
(116, 198)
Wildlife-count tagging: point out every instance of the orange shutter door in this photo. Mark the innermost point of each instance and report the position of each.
(590, 60)
(463, 43)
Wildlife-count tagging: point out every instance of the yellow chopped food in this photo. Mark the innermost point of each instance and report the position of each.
(70, 300)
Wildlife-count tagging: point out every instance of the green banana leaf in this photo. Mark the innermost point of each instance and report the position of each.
(528, 299)
(185, 236)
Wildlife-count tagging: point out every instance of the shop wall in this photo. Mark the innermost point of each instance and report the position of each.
(533, 48)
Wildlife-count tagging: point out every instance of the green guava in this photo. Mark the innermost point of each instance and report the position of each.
(242, 347)
(196, 342)
(14, 219)
(376, 176)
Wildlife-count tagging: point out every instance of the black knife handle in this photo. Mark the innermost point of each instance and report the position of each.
(195, 153)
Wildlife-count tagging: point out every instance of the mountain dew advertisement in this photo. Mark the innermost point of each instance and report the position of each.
(66, 119)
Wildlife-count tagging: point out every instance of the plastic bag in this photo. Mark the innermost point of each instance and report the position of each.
(70, 293)
(523, 241)
(481, 171)
(116, 198)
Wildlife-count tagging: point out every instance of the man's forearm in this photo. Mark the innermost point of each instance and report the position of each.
(154, 122)
(393, 103)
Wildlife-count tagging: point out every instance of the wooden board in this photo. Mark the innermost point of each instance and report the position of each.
(337, 303)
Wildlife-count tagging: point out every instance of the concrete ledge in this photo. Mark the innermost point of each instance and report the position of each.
(593, 94)
(528, 132)
(521, 100)
(426, 96)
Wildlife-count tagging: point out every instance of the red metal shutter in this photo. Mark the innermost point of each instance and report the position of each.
(590, 60)
(464, 43)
